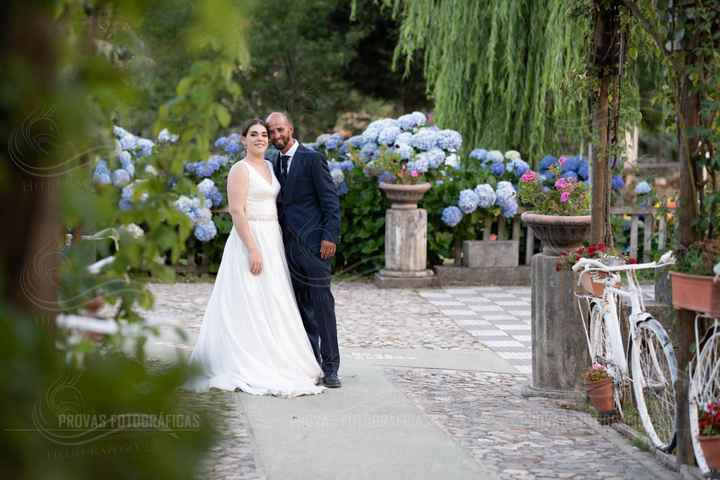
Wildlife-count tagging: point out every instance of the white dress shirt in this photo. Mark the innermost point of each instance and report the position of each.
(291, 153)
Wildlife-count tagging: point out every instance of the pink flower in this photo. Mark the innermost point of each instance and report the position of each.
(562, 183)
(529, 176)
(562, 159)
(564, 197)
(414, 173)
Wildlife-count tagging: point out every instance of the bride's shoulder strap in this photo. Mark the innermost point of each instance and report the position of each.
(239, 163)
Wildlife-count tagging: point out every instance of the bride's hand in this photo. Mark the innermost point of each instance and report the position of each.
(255, 262)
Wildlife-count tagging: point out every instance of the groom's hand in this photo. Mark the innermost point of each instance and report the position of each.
(327, 249)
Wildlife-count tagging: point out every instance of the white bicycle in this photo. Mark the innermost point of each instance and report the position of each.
(704, 372)
(649, 364)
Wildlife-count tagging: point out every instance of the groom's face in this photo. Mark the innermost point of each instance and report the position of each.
(281, 132)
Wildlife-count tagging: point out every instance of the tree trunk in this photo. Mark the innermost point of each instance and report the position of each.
(31, 231)
(688, 117)
(606, 58)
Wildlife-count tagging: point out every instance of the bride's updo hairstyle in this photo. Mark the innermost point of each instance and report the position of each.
(255, 121)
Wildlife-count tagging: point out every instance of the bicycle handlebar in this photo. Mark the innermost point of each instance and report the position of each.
(592, 264)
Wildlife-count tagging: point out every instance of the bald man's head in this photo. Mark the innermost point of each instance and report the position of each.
(281, 131)
(280, 116)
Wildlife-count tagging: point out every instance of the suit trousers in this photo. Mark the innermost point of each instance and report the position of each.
(311, 278)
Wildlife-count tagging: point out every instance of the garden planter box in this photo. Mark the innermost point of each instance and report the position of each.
(695, 292)
(491, 253)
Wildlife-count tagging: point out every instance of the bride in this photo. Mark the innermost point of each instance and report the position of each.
(252, 336)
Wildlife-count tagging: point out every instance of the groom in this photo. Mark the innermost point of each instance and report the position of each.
(309, 213)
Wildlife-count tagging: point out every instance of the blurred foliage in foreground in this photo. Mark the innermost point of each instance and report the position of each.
(92, 408)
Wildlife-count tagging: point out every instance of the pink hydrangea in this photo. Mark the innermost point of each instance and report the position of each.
(562, 183)
(564, 197)
(529, 176)
(414, 173)
(562, 160)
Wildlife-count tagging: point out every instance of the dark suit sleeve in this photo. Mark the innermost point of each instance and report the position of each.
(328, 196)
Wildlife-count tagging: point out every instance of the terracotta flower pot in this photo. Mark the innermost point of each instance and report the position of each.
(601, 395)
(711, 450)
(404, 196)
(558, 233)
(695, 292)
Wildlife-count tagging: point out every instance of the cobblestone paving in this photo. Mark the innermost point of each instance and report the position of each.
(234, 456)
(521, 438)
(367, 317)
(483, 412)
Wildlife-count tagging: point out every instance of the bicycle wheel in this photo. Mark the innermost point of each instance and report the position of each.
(654, 373)
(704, 388)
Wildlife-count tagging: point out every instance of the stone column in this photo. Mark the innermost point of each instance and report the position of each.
(559, 346)
(405, 250)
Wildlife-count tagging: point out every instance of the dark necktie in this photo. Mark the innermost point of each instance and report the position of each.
(284, 159)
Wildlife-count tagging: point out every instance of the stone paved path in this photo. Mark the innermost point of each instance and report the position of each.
(498, 317)
(452, 358)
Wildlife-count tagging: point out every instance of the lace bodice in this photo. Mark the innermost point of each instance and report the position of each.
(261, 194)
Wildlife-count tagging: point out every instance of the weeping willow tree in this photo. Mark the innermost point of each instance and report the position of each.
(505, 74)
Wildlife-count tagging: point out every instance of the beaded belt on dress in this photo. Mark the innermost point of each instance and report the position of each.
(263, 218)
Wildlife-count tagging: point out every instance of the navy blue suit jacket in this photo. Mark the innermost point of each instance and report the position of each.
(308, 205)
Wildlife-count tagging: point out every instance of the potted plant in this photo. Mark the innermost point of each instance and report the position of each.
(599, 387)
(401, 181)
(694, 278)
(592, 283)
(558, 204)
(709, 423)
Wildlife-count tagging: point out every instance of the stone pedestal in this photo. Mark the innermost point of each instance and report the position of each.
(559, 347)
(405, 250)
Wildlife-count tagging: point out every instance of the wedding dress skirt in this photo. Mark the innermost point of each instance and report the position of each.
(252, 336)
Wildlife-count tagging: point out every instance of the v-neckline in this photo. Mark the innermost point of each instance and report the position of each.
(270, 183)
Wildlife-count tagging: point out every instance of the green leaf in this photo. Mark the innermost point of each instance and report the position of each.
(184, 86)
(223, 116)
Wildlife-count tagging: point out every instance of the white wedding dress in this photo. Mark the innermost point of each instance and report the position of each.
(252, 336)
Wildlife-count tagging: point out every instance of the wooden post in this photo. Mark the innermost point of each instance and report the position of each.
(647, 237)
(502, 229)
(487, 229)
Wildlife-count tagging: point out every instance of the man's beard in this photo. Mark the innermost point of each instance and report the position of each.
(281, 143)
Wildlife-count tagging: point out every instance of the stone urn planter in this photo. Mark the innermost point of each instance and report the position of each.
(698, 293)
(558, 233)
(404, 197)
(405, 239)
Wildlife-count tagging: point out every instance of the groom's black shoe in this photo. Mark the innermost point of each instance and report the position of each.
(331, 380)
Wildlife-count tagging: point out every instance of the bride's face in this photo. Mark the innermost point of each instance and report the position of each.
(256, 140)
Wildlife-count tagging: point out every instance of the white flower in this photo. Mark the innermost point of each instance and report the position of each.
(206, 186)
(134, 230)
(452, 160)
(150, 170)
(512, 155)
(166, 137)
(494, 156)
(486, 195)
(203, 215)
(337, 175)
